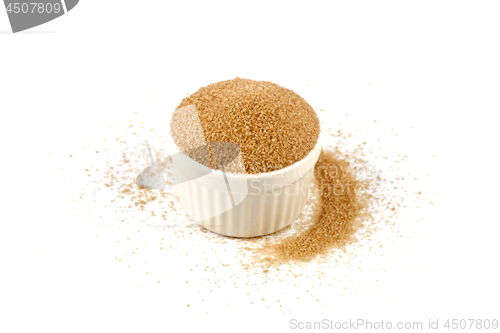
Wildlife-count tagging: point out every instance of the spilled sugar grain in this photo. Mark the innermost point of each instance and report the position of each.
(332, 170)
(259, 261)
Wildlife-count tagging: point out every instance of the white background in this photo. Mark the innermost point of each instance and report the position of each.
(429, 69)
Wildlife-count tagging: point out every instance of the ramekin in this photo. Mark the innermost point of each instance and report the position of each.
(262, 203)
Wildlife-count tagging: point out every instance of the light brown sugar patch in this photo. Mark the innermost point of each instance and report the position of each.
(273, 126)
(340, 213)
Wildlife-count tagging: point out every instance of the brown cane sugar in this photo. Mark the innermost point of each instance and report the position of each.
(272, 125)
(272, 265)
(274, 128)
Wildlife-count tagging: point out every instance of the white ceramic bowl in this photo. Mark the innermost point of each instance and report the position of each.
(246, 205)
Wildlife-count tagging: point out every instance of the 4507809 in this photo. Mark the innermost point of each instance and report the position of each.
(34, 7)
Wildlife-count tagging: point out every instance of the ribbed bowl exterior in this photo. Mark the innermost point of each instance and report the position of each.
(257, 215)
(261, 212)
